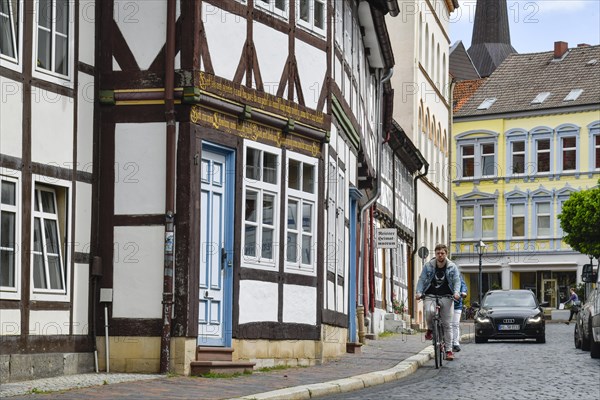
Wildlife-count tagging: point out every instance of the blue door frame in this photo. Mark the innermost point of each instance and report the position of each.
(355, 195)
(228, 224)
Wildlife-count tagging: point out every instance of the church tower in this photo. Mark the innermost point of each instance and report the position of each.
(490, 44)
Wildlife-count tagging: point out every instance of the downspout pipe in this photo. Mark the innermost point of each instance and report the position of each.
(415, 248)
(448, 143)
(167, 302)
(371, 201)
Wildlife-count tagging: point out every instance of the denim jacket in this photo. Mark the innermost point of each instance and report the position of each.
(458, 304)
(452, 274)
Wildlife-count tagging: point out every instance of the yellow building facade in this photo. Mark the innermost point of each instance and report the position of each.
(520, 146)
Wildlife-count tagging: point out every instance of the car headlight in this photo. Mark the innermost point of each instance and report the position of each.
(534, 320)
(482, 320)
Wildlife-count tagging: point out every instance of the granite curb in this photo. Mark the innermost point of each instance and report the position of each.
(401, 370)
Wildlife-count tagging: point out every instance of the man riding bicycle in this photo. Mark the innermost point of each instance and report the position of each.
(441, 277)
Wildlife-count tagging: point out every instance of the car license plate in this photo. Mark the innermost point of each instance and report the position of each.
(509, 327)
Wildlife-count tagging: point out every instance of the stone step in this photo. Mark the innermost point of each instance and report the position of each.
(199, 368)
(204, 353)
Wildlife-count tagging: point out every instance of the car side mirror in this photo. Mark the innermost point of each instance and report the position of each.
(544, 304)
(476, 305)
(588, 275)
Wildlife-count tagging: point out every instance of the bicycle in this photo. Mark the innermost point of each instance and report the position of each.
(439, 344)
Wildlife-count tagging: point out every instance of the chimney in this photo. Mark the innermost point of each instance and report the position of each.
(583, 45)
(560, 48)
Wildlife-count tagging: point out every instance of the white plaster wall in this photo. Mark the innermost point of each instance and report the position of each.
(272, 51)
(48, 322)
(83, 217)
(51, 128)
(312, 65)
(10, 322)
(87, 18)
(258, 301)
(85, 123)
(81, 275)
(143, 25)
(351, 169)
(330, 294)
(333, 136)
(140, 168)
(138, 271)
(341, 304)
(299, 304)
(11, 117)
(226, 35)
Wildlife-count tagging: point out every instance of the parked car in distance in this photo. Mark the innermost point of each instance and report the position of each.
(510, 314)
(583, 323)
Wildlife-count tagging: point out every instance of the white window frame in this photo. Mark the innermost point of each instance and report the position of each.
(310, 24)
(303, 198)
(271, 7)
(6, 61)
(537, 215)
(563, 132)
(512, 215)
(262, 188)
(65, 242)
(12, 176)
(49, 74)
(511, 154)
(477, 219)
(594, 147)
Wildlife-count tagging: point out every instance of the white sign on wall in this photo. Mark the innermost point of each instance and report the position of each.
(386, 238)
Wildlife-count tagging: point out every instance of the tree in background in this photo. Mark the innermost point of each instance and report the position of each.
(580, 220)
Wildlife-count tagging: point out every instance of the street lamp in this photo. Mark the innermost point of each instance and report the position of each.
(480, 247)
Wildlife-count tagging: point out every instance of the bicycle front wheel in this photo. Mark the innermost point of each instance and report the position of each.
(437, 344)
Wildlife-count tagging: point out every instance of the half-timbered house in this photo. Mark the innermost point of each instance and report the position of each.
(47, 85)
(238, 148)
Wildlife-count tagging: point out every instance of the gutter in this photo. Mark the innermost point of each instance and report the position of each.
(171, 156)
(415, 181)
(450, 119)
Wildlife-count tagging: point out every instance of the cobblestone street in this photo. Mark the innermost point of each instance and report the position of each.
(502, 370)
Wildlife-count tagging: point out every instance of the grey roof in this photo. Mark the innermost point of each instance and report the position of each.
(461, 65)
(522, 77)
(490, 43)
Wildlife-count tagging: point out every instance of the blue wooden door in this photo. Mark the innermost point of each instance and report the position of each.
(216, 240)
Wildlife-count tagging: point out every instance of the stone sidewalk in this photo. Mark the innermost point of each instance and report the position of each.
(381, 360)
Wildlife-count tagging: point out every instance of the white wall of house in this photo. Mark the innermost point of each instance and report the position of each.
(138, 252)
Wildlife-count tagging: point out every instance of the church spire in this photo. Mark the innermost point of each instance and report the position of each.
(490, 43)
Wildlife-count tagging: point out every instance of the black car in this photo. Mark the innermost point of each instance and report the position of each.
(510, 314)
(583, 322)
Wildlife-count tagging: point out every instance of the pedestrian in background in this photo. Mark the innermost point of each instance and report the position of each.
(458, 308)
(574, 300)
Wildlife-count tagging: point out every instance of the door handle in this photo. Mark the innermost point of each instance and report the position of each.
(206, 296)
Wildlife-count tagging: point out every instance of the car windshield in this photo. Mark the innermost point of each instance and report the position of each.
(509, 299)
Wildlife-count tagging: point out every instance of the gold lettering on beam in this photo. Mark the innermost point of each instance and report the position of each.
(252, 130)
(217, 86)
